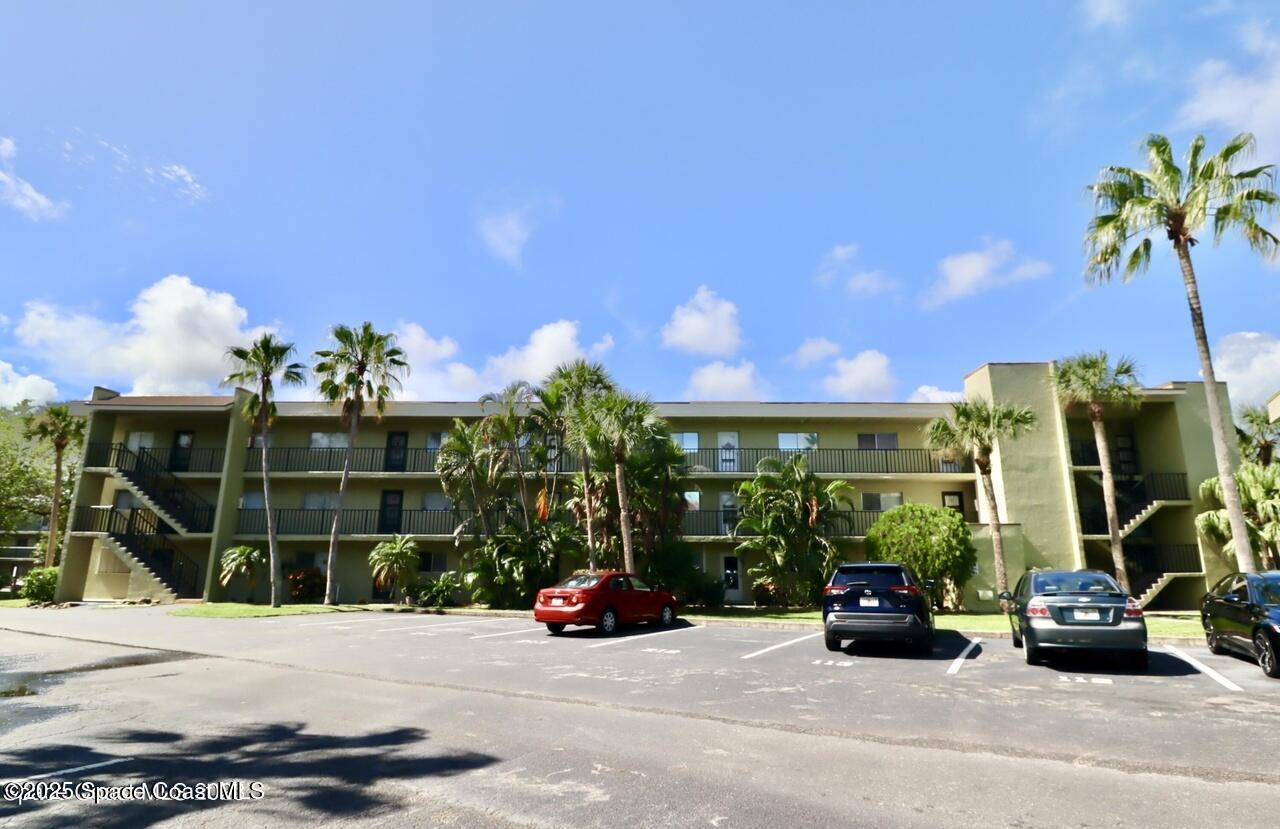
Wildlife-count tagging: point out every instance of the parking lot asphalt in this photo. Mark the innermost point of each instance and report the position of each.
(1192, 720)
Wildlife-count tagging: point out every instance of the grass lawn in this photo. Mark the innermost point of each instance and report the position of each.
(240, 610)
(13, 602)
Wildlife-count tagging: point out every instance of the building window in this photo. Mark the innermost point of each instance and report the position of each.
(320, 500)
(255, 441)
(301, 560)
(688, 441)
(437, 501)
(881, 501)
(433, 562)
(795, 441)
(436, 439)
(328, 440)
(253, 499)
(878, 440)
(692, 500)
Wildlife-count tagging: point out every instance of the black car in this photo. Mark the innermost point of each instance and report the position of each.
(1242, 613)
(877, 601)
(1076, 610)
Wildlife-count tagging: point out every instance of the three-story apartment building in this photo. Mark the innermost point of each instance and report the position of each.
(168, 482)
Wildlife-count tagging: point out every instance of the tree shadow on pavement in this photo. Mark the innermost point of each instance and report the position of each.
(313, 777)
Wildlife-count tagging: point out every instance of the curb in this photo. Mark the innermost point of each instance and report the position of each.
(759, 624)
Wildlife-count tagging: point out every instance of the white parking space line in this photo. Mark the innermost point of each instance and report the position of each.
(375, 618)
(640, 636)
(782, 645)
(63, 772)
(437, 626)
(958, 662)
(507, 633)
(1203, 668)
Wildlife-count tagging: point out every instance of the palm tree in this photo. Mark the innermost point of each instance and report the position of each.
(394, 563)
(790, 519)
(259, 366)
(1132, 205)
(1092, 381)
(623, 423)
(242, 561)
(57, 426)
(973, 429)
(1258, 435)
(1260, 493)
(505, 428)
(470, 471)
(363, 366)
(580, 383)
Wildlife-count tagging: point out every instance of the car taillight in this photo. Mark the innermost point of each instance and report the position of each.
(908, 589)
(1132, 610)
(832, 590)
(541, 599)
(1037, 607)
(577, 598)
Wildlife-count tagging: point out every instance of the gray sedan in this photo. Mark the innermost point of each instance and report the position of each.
(1075, 609)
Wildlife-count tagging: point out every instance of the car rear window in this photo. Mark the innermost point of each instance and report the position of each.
(581, 582)
(1269, 590)
(1073, 583)
(870, 576)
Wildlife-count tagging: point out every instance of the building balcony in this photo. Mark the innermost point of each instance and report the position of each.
(829, 461)
(375, 459)
(319, 522)
(203, 461)
(712, 523)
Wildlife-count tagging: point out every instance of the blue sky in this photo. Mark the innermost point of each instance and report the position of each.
(687, 191)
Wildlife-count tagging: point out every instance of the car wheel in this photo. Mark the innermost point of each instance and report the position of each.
(1266, 650)
(1016, 634)
(833, 643)
(1212, 640)
(555, 627)
(668, 616)
(1031, 651)
(609, 621)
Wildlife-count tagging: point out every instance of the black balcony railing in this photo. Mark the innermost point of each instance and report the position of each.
(828, 461)
(146, 537)
(1132, 497)
(379, 459)
(174, 460)
(149, 472)
(354, 522)
(1163, 558)
(1084, 453)
(713, 522)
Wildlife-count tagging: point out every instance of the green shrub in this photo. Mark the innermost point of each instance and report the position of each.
(39, 584)
(507, 571)
(764, 593)
(934, 542)
(441, 591)
(709, 593)
(306, 584)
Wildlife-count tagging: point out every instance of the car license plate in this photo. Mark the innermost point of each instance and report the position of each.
(1089, 615)
(557, 600)
(868, 601)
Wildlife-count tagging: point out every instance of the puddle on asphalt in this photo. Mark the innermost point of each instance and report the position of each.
(28, 684)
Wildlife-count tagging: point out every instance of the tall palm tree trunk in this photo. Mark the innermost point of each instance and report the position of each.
(273, 538)
(1230, 492)
(624, 513)
(524, 492)
(993, 524)
(1109, 496)
(51, 549)
(585, 460)
(331, 566)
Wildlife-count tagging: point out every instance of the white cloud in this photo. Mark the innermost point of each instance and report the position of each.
(1240, 99)
(15, 387)
(813, 350)
(183, 180)
(933, 394)
(435, 376)
(864, 376)
(869, 284)
(506, 232)
(173, 343)
(972, 272)
(706, 324)
(19, 194)
(1107, 13)
(1249, 363)
(834, 263)
(721, 381)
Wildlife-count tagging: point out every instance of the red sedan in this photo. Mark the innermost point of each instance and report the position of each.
(605, 600)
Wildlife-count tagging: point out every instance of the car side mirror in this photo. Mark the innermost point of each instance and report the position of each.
(1231, 597)
(1005, 596)
(929, 584)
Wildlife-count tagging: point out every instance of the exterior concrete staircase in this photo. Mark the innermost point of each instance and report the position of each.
(143, 581)
(140, 539)
(1159, 584)
(151, 482)
(1134, 522)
